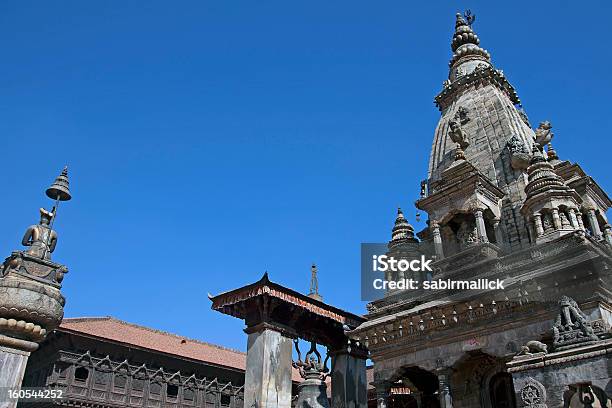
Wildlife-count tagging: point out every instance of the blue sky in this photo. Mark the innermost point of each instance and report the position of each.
(209, 142)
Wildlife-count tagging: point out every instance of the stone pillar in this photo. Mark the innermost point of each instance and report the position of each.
(349, 384)
(383, 388)
(573, 218)
(537, 220)
(14, 355)
(480, 226)
(437, 239)
(444, 393)
(267, 379)
(608, 234)
(498, 233)
(579, 218)
(594, 223)
(556, 219)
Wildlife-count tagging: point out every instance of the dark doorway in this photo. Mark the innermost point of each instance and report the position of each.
(501, 391)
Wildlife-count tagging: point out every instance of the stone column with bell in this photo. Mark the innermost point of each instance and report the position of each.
(31, 304)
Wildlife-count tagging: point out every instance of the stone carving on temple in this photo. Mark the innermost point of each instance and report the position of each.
(532, 347)
(462, 115)
(572, 327)
(543, 134)
(533, 394)
(467, 235)
(457, 134)
(519, 154)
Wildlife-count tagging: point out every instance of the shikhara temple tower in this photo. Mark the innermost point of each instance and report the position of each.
(477, 186)
(500, 205)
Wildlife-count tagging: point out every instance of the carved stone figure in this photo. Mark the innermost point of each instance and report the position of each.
(462, 115)
(533, 346)
(564, 220)
(457, 134)
(547, 222)
(543, 134)
(572, 327)
(40, 239)
(518, 153)
(467, 234)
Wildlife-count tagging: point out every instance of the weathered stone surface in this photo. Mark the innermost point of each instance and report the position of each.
(12, 368)
(268, 370)
(349, 383)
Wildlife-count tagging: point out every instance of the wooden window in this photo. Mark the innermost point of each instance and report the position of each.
(81, 374)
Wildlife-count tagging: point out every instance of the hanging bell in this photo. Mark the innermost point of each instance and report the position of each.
(60, 190)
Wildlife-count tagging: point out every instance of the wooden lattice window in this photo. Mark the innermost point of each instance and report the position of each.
(81, 374)
(172, 391)
(155, 388)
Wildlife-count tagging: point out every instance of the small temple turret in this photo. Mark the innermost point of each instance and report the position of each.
(402, 233)
(551, 206)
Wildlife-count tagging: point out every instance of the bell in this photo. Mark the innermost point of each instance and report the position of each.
(60, 190)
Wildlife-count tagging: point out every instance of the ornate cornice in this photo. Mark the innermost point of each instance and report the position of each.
(484, 74)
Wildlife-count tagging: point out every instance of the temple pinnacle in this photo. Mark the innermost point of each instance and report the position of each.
(314, 284)
(402, 231)
(465, 43)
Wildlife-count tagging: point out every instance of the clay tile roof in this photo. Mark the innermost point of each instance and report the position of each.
(119, 331)
(116, 330)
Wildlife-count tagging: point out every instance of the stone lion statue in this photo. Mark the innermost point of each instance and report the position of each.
(532, 347)
(543, 134)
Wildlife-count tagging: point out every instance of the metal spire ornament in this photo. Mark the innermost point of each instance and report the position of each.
(58, 191)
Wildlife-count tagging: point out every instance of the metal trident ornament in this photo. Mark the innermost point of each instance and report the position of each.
(469, 17)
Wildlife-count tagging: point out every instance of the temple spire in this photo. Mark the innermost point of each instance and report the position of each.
(314, 284)
(466, 47)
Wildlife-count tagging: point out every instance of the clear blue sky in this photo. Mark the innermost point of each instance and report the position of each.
(211, 141)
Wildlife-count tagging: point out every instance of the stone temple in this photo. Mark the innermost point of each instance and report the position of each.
(501, 204)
